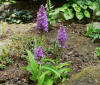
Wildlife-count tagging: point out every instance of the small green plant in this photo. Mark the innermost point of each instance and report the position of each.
(92, 32)
(4, 61)
(97, 52)
(2, 29)
(47, 72)
(2, 66)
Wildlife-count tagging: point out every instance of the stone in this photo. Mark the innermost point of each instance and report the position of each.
(97, 25)
(88, 76)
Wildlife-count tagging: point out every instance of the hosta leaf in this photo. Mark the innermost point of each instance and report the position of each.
(79, 15)
(68, 14)
(64, 7)
(93, 6)
(56, 11)
(76, 7)
(87, 14)
(83, 6)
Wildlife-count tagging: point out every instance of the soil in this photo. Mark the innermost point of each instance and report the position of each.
(79, 52)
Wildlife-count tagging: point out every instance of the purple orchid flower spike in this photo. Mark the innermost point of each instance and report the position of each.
(61, 38)
(41, 23)
(38, 54)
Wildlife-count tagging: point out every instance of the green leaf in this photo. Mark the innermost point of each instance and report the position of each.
(49, 82)
(64, 7)
(63, 80)
(87, 14)
(82, 4)
(64, 70)
(32, 66)
(90, 28)
(52, 21)
(92, 5)
(76, 7)
(62, 65)
(48, 60)
(56, 11)
(79, 15)
(42, 77)
(2, 66)
(35, 42)
(68, 14)
(50, 69)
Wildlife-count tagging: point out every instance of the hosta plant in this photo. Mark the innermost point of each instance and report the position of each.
(78, 9)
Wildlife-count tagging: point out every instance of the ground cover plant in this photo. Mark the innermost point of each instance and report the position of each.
(46, 54)
(92, 32)
(97, 52)
(15, 16)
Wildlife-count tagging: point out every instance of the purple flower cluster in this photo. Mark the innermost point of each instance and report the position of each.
(38, 54)
(42, 23)
(61, 38)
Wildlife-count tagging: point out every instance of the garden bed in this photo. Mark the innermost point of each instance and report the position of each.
(79, 51)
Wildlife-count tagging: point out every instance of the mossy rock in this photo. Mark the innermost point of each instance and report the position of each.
(88, 76)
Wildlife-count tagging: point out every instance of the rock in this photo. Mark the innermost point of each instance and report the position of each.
(88, 76)
(14, 30)
(97, 25)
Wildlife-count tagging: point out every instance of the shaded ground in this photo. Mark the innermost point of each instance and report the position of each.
(79, 52)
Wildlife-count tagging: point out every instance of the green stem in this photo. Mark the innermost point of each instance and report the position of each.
(58, 57)
(40, 39)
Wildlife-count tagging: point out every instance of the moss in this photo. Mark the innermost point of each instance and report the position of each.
(88, 76)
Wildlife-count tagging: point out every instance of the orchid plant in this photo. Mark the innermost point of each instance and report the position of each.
(46, 72)
(61, 40)
(41, 23)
